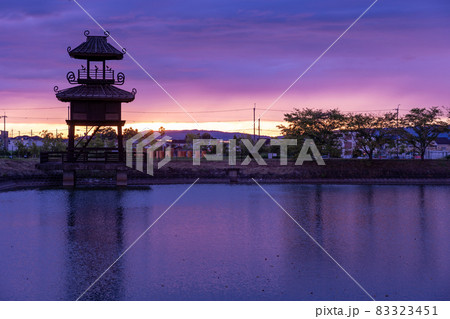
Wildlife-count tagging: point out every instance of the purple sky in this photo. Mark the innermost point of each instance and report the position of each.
(215, 55)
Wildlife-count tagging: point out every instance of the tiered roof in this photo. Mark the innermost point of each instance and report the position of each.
(94, 92)
(95, 48)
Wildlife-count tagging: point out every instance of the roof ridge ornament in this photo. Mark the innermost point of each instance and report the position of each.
(120, 78)
(107, 33)
(86, 33)
(71, 77)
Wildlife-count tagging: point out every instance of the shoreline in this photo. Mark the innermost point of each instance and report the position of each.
(15, 174)
(18, 184)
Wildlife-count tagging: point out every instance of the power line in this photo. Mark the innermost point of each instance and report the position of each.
(293, 110)
(33, 108)
(141, 120)
(206, 112)
(178, 112)
(35, 118)
(211, 121)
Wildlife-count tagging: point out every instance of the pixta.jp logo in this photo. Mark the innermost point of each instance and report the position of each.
(150, 143)
(143, 146)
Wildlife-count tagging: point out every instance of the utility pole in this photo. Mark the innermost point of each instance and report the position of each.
(259, 128)
(396, 140)
(254, 124)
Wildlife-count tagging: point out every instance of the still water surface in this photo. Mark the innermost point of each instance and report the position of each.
(227, 242)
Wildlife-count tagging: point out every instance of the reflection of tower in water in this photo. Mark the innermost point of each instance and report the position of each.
(94, 241)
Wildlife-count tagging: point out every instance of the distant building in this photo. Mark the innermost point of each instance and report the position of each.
(439, 148)
(348, 144)
(177, 144)
(4, 138)
(26, 140)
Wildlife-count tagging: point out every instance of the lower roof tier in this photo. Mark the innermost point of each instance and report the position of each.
(98, 92)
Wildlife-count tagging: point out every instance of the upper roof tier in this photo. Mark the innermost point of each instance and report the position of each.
(96, 48)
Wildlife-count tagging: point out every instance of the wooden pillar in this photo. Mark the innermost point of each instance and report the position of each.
(120, 144)
(71, 146)
(233, 174)
(69, 178)
(121, 178)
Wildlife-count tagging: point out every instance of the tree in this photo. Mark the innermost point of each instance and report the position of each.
(129, 133)
(190, 137)
(371, 132)
(46, 140)
(104, 136)
(22, 149)
(111, 143)
(52, 143)
(319, 125)
(107, 133)
(162, 131)
(34, 150)
(206, 136)
(421, 127)
(96, 142)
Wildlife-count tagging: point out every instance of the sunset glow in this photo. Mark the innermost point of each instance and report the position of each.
(219, 58)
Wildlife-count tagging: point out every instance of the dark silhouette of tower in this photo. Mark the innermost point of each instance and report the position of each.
(96, 101)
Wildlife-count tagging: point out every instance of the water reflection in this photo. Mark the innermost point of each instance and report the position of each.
(227, 242)
(94, 230)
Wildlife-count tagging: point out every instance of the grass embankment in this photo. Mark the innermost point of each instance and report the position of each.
(18, 173)
(19, 167)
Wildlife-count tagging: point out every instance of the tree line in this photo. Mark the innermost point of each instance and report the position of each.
(104, 137)
(413, 132)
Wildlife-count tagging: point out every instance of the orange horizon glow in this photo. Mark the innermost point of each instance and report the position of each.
(212, 60)
(269, 128)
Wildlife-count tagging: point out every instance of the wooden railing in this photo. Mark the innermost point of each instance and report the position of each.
(95, 74)
(96, 155)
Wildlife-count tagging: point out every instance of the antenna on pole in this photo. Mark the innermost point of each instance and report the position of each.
(254, 124)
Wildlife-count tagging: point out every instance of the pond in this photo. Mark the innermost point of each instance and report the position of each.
(227, 242)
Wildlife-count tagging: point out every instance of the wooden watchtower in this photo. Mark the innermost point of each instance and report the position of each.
(95, 101)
